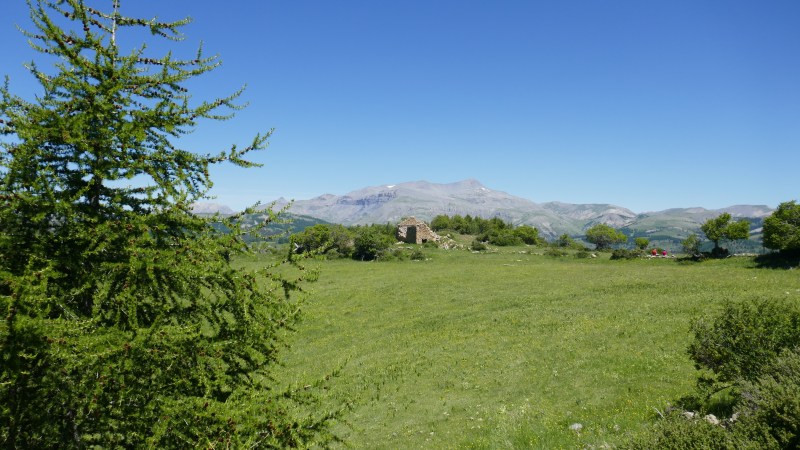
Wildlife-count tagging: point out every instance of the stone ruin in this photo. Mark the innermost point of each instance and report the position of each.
(414, 231)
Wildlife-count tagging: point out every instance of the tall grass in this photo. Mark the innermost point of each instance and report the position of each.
(509, 350)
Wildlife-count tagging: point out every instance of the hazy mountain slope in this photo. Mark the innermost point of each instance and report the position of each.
(425, 200)
(680, 222)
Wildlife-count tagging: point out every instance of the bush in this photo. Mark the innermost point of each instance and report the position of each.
(528, 234)
(676, 432)
(770, 409)
(622, 253)
(691, 245)
(750, 352)
(392, 254)
(555, 252)
(477, 246)
(369, 243)
(582, 254)
(745, 338)
(564, 241)
(417, 255)
(501, 237)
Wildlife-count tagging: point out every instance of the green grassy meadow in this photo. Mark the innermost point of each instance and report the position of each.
(508, 349)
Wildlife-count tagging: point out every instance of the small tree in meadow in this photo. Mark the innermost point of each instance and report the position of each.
(370, 242)
(691, 245)
(722, 228)
(441, 222)
(782, 228)
(603, 236)
(528, 234)
(564, 241)
(641, 242)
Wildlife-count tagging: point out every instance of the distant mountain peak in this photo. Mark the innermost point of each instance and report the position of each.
(390, 203)
(211, 208)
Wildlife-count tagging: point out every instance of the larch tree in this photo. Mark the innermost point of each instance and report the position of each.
(124, 322)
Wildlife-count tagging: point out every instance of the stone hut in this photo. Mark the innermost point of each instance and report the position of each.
(415, 231)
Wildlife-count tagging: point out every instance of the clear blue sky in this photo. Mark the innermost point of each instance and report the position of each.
(647, 105)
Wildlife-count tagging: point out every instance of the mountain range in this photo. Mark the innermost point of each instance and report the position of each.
(425, 200)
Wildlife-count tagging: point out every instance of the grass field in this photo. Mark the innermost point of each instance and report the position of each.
(510, 349)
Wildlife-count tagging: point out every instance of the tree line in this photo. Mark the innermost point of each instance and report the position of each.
(368, 242)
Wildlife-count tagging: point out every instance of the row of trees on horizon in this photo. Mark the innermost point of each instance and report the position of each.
(373, 241)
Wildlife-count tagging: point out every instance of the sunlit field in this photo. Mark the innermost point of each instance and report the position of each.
(510, 349)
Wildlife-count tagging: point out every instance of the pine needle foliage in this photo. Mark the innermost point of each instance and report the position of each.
(124, 323)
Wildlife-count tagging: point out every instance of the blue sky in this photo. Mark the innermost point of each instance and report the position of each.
(646, 105)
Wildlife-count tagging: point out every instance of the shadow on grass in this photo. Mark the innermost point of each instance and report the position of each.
(778, 260)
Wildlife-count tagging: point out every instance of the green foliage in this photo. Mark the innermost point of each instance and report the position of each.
(675, 432)
(769, 413)
(322, 239)
(125, 324)
(721, 228)
(440, 223)
(691, 245)
(555, 252)
(623, 253)
(744, 338)
(494, 231)
(477, 246)
(604, 236)
(528, 234)
(501, 237)
(370, 241)
(749, 350)
(641, 242)
(565, 241)
(782, 228)
(417, 255)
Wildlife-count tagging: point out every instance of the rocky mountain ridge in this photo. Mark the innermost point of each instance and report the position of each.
(425, 200)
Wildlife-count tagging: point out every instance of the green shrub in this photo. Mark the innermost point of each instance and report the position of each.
(555, 252)
(369, 243)
(528, 234)
(581, 254)
(769, 412)
(676, 432)
(745, 338)
(748, 352)
(501, 237)
(392, 254)
(564, 241)
(623, 253)
(691, 245)
(417, 255)
(477, 246)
